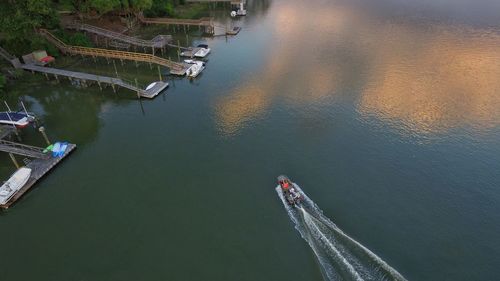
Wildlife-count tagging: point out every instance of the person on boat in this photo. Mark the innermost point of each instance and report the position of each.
(285, 184)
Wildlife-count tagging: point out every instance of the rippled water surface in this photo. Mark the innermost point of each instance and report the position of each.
(387, 113)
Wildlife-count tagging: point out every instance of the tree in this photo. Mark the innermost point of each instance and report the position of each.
(19, 19)
(3, 81)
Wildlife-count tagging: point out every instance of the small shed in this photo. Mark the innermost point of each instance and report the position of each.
(38, 57)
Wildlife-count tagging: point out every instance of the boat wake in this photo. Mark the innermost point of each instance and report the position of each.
(340, 256)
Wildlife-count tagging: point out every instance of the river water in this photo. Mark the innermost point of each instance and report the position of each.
(386, 113)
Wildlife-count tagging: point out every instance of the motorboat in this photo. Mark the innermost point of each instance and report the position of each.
(195, 69)
(235, 30)
(203, 51)
(291, 194)
(14, 184)
(240, 11)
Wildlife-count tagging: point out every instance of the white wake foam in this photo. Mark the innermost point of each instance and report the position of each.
(340, 256)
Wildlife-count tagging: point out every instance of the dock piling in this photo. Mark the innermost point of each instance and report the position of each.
(116, 71)
(13, 158)
(42, 130)
(137, 86)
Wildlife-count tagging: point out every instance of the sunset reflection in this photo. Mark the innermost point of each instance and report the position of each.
(448, 80)
(298, 75)
(429, 78)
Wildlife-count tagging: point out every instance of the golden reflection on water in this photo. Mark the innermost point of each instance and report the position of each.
(292, 72)
(427, 77)
(450, 78)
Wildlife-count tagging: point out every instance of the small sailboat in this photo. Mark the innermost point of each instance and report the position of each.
(195, 69)
(19, 118)
(14, 184)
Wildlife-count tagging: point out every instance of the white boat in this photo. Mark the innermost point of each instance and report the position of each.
(14, 184)
(151, 85)
(240, 11)
(195, 69)
(203, 51)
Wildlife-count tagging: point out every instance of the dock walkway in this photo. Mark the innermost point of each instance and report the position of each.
(22, 149)
(175, 67)
(39, 168)
(208, 23)
(151, 93)
(157, 42)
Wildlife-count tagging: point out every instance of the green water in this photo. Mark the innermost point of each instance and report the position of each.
(386, 113)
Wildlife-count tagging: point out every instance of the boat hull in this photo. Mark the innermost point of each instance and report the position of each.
(14, 184)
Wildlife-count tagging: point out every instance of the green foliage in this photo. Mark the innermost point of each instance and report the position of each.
(74, 39)
(19, 20)
(100, 6)
(174, 8)
(40, 43)
(3, 81)
(106, 6)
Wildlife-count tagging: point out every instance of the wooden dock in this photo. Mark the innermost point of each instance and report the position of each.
(176, 68)
(207, 23)
(39, 168)
(158, 42)
(113, 82)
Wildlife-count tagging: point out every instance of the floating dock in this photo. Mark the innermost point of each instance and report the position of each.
(39, 168)
(40, 164)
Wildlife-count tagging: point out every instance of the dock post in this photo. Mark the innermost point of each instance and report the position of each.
(42, 130)
(121, 60)
(114, 65)
(178, 50)
(136, 64)
(159, 72)
(187, 39)
(46, 75)
(57, 78)
(137, 86)
(14, 160)
(113, 86)
(99, 83)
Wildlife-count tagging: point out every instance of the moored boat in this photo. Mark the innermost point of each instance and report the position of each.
(18, 119)
(14, 184)
(203, 51)
(195, 69)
